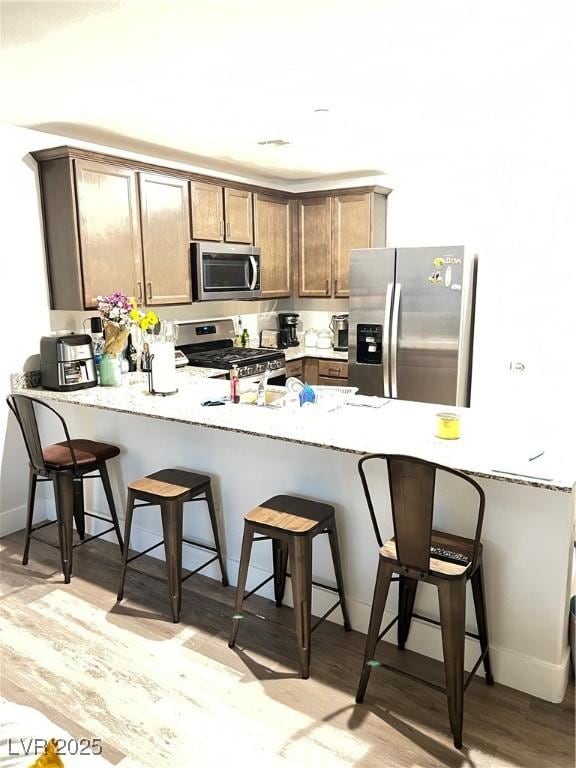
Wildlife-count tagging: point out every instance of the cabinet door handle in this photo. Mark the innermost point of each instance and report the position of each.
(335, 286)
(335, 371)
(327, 287)
(149, 287)
(139, 286)
(227, 229)
(221, 228)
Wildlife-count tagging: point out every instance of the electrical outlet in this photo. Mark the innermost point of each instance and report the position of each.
(517, 366)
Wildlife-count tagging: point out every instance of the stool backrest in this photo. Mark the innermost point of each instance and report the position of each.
(22, 406)
(412, 482)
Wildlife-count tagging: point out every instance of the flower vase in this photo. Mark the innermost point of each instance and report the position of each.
(110, 371)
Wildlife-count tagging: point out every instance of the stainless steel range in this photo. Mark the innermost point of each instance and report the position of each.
(210, 344)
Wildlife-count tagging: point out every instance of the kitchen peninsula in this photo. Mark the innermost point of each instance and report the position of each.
(253, 453)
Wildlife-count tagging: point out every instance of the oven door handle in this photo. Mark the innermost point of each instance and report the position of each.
(254, 264)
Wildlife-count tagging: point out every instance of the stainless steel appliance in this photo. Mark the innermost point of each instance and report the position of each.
(339, 327)
(288, 321)
(67, 362)
(274, 339)
(411, 323)
(221, 271)
(210, 344)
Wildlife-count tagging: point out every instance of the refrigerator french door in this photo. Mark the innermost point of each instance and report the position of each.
(411, 322)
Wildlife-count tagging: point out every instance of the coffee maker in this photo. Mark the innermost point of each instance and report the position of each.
(287, 323)
(67, 362)
(339, 327)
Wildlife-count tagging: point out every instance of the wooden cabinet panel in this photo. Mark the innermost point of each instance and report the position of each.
(315, 274)
(109, 230)
(311, 370)
(327, 381)
(295, 368)
(351, 228)
(273, 234)
(238, 216)
(207, 212)
(165, 238)
(336, 368)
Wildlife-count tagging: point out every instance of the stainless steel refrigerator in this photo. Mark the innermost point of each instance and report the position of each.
(411, 323)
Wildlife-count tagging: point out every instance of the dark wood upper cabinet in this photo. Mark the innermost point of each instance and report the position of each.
(315, 264)
(238, 216)
(109, 233)
(273, 234)
(165, 213)
(330, 227)
(207, 211)
(113, 224)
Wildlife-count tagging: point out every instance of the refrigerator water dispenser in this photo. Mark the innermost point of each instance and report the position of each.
(369, 344)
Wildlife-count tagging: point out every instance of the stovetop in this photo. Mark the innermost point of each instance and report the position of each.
(209, 345)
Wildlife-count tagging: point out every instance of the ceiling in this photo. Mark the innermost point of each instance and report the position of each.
(204, 82)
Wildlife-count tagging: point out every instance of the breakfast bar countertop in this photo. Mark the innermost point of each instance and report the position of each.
(393, 427)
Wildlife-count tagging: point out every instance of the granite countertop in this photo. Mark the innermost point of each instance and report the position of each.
(299, 353)
(394, 427)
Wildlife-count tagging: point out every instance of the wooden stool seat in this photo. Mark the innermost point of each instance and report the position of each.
(86, 452)
(291, 523)
(169, 484)
(450, 555)
(170, 489)
(291, 513)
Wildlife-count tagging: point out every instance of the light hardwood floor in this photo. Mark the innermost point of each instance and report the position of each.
(164, 694)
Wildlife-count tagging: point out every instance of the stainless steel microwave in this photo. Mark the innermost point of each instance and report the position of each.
(221, 271)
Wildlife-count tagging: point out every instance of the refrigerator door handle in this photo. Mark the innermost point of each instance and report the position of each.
(386, 338)
(394, 342)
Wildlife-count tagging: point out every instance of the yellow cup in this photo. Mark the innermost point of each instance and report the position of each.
(448, 426)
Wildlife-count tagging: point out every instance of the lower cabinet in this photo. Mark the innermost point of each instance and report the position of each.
(295, 369)
(322, 372)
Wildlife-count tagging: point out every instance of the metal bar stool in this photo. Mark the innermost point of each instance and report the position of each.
(170, 489)
(417, 553)
(66, 464)
(291, 523)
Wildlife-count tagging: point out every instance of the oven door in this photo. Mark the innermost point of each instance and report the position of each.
(221, 271)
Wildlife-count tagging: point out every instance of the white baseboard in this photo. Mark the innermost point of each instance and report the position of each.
(524, 673)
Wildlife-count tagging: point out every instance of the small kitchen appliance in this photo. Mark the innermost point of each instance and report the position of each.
(210, 344)
(274, 339)
(288, 321)
(67, 362)
(339, 327)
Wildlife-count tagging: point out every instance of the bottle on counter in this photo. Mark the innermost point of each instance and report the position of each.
(245, 339)
(145, 363)
(238, 337)
(234, 385)
(131, 355)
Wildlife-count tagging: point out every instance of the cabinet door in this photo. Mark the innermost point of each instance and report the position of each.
(330, 381)
(207, 213)
(165, 238)
(315, 274)
(109, 230)
(238, 216)
(272, 233)
(295, 369)
(351, 228)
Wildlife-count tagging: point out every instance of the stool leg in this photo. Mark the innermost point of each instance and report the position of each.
(406, 597)
(111, 506)
(242, 577)
(127, 531)
(280, 562)
(214, 522)
(480, 605)
(300, 553)
(333, 537)
(381, 588)
(30, 514)
(64, 493)
(172, 517)
(79, 518)
(452, 599)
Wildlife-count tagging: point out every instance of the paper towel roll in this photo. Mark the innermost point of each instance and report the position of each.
(163, 367)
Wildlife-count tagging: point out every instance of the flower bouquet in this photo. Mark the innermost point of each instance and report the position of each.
(115, 310)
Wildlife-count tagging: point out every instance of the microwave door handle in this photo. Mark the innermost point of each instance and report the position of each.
(254, 264)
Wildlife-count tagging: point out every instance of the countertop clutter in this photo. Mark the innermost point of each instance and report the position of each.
(397, 427)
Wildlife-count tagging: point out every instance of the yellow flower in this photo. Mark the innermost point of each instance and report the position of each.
(134, 315)
(151, 317)
(144, 324)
